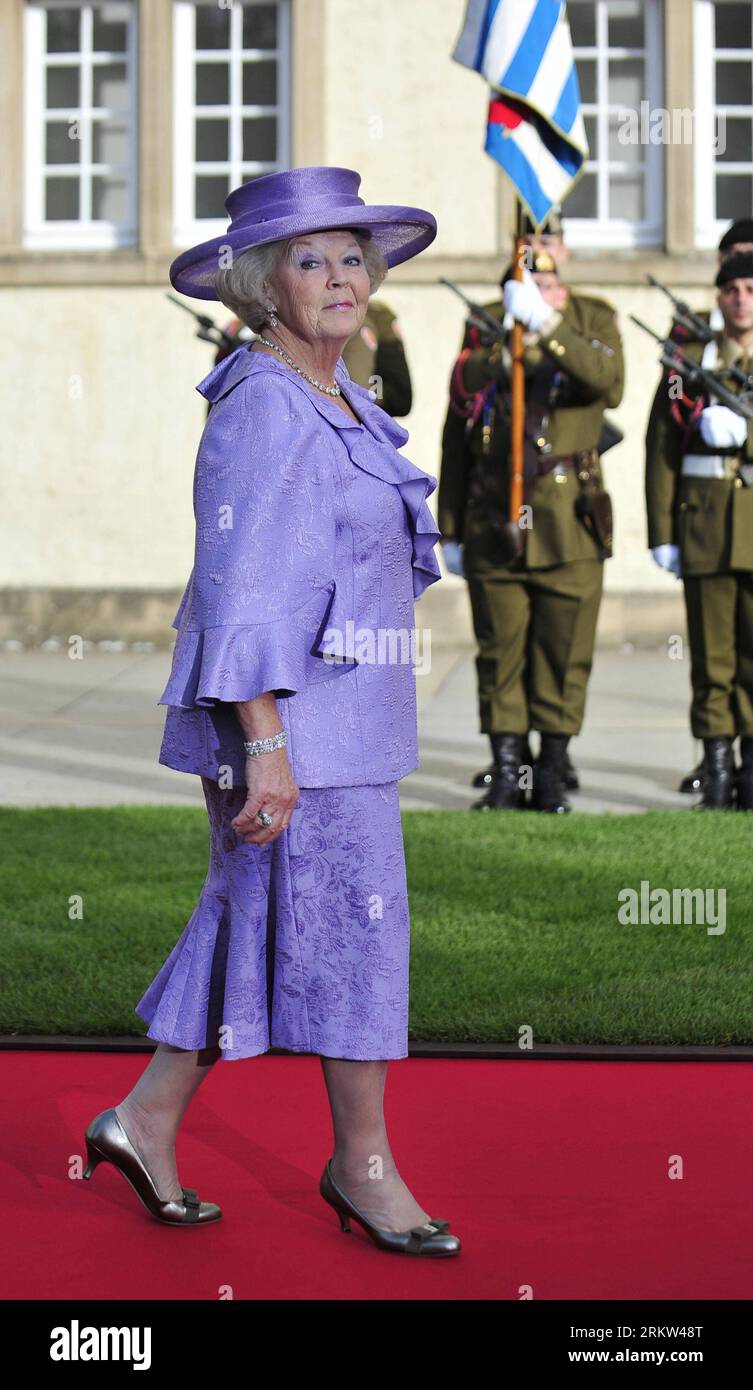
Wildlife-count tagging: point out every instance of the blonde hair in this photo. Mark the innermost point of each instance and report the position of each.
(246, 286)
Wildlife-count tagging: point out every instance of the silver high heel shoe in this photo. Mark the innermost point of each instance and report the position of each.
(433, 1238)
(107, 1142)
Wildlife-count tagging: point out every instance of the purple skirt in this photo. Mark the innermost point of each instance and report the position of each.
(301, 944)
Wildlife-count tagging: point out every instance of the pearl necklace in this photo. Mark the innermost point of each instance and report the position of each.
(330, 390)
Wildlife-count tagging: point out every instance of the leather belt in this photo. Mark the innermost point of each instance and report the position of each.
(566, 463)
(710, 465)
(556, 463)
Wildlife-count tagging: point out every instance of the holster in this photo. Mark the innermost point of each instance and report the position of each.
(593, 506)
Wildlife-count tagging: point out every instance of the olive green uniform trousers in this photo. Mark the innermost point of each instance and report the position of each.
(535, 631)
(720, 631)
(711, 520)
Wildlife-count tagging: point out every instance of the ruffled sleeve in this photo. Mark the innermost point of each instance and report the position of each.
(264, 588)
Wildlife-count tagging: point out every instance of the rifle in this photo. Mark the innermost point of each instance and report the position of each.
(207, 328)
(673, 357)
(479, 317)
(701, 330)
(684, 314)
(494, 330)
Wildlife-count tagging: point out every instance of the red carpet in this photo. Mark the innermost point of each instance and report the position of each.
(554, 1175)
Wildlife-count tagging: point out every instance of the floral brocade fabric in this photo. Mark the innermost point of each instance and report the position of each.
(301, 944)
(313, 540)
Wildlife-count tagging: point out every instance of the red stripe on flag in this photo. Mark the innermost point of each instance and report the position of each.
(503, 113)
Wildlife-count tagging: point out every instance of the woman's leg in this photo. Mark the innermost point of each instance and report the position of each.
(151, 1113)
(362, 1163)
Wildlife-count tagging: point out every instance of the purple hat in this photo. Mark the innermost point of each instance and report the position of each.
(295, 201)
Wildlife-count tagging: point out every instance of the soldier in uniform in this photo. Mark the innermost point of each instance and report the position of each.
(374, 357)
(535, 615)
(738, 237)
(699, 494)
(552, 241)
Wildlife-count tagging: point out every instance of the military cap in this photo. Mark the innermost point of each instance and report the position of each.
(739, 231)
(736, 267)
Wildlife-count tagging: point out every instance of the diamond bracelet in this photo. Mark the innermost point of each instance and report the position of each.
(266, 745)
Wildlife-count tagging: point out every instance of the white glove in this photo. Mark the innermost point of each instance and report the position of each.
(453, 556)
(524, 300)
(722, 427)
(668, 557)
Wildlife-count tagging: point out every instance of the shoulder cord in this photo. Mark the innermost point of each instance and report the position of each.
(468, 404)
(693, 405)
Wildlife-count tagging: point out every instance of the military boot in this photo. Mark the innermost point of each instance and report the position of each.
(719, 775)
(505, 792)
(548, 777)
(693, 781)
(745, 776)
(487, 774)
(570, 778)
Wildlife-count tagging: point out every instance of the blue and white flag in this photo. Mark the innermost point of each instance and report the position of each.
(535, 129)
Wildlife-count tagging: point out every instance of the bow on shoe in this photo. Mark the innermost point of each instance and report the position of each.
(192, 1203)
(421, 1234)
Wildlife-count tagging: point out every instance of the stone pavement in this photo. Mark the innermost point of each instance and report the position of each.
(87, 732)
(634, 747)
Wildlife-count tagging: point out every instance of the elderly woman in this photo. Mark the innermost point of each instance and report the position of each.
(287, 696)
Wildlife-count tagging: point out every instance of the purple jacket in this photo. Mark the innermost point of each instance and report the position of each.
(313, 538)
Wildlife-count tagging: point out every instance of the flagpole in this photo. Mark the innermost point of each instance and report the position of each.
(517, 400)
(540, 147)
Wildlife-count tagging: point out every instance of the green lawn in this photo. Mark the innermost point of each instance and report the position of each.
(514, 922)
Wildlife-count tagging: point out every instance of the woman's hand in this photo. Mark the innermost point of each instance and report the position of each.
(270, 787)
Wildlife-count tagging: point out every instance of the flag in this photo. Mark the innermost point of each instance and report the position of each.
(535, 129)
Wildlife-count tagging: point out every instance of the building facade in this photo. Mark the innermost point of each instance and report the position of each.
(125, 123)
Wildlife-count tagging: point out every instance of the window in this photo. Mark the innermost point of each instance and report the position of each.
(232, 78)
(617, 201)
(80, 124)
(723, 47)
